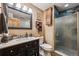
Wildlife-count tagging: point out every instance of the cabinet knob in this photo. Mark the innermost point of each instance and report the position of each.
(26, 46)
(11, 51)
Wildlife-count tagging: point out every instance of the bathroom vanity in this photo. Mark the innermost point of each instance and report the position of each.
(20, 47)
(23, 46)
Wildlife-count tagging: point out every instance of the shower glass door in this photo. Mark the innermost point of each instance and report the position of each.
(66, 34)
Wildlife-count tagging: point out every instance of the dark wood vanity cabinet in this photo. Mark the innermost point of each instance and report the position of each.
(25, 49)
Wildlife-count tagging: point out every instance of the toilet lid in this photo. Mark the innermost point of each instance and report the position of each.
(46, 46)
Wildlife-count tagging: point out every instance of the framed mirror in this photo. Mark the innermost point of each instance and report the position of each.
(19, 18)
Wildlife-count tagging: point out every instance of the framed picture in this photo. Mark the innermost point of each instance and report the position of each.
(49, 16)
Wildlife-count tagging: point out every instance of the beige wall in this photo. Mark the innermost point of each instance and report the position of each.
(49, 31)
(34, 17)
(0, 7)
(0, 4)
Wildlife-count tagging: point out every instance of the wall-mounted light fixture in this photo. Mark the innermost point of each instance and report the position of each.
(66, 5)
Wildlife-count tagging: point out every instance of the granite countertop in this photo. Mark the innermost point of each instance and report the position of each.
(17, 41)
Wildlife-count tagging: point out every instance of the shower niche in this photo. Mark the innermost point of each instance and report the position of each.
(66, 34)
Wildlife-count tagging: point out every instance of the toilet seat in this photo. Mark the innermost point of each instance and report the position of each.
(46, 47)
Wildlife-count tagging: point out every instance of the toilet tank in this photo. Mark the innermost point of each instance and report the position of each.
(41, 40)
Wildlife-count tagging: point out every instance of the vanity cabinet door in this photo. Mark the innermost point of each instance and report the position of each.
(9, 51)
(33, 49)
(22, 51)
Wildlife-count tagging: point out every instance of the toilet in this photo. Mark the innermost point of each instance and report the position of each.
(45, 49)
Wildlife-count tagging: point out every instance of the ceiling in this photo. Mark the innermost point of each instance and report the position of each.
(60, 6)
(42, 6)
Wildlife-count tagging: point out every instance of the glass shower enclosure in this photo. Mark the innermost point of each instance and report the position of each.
(66, 34)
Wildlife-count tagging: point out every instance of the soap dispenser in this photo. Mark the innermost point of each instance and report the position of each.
(4, 38)
(26, 35)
